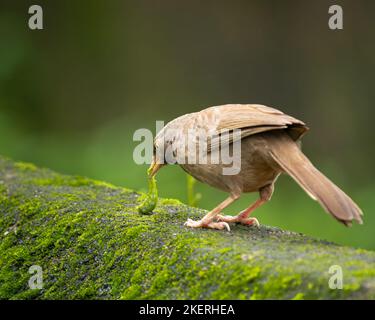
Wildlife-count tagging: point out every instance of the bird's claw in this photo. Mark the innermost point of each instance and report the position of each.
(238, 219)
(211, 225)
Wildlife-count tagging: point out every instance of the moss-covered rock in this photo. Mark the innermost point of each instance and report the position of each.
(91, 242)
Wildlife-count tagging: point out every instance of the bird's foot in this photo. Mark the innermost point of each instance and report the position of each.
(207, 224)
(238, 219)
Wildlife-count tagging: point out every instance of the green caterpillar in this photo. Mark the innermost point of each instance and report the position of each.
(151, 200)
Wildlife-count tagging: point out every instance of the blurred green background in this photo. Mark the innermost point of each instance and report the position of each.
(72, 95)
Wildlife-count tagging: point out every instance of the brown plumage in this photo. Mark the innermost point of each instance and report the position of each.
(269, 146)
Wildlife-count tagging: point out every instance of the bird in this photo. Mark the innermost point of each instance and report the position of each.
(269, 145)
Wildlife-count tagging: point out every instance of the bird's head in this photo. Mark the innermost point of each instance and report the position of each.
(169, 145)
(154, 166)
(158, 155)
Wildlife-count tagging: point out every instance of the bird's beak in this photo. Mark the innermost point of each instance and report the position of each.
(154, 168)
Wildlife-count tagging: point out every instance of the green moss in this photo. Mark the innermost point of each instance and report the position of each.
(298, 296)
(25, 166)
(92, 243)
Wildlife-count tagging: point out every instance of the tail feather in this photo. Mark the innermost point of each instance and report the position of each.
(290, 158)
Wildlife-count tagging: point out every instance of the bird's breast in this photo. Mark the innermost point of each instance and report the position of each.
(254, 169)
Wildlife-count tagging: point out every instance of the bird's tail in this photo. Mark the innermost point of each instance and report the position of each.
(290, 158)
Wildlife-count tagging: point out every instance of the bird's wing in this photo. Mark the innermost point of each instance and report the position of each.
(252, 119)
(242, 116)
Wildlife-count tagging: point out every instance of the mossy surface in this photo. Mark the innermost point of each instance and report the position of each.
(92, 243)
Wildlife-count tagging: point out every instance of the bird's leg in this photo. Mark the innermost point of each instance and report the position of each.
(243, 217)
(208, 220)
